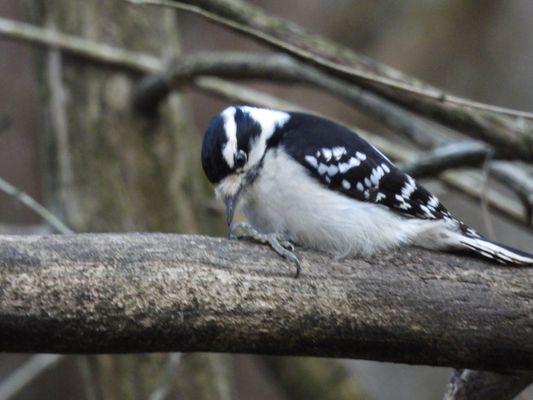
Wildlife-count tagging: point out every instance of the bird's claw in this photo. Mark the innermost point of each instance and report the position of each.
(279, 243)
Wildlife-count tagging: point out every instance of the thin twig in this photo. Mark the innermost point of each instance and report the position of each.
(26, 373)
(88, 49)
(29, 202)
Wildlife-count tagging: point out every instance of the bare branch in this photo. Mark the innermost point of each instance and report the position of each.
(90, 50)
(29, 202)
(155, 292)
(518, 178)
(239, 11)
(453, 155)
(26, 373)
(283, 69)
(235, 65)
(512, 136)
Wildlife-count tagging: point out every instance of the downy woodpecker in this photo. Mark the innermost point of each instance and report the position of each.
(304, 179)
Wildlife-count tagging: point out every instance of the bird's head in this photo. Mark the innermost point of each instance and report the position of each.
(234, 145)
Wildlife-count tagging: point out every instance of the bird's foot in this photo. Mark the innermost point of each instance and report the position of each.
(279, 243)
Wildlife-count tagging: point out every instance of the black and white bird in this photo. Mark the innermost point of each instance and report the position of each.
(304, 179)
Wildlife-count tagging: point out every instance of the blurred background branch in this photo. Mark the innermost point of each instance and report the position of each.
(509, 135)
(29, 202)
(26, 373)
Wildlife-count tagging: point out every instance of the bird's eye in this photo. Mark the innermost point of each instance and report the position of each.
(240, 159)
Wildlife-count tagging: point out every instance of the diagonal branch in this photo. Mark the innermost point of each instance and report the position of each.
(87, 49)
(155, 292)
(283, 69)
(33, 205)
(511, 135)
(27, 373)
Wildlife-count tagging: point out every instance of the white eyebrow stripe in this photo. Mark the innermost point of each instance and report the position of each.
(269, 121)
(230, 128)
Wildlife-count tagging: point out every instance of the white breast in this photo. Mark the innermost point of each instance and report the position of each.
(286, 199)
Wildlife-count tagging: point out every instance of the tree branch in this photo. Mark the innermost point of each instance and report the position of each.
(30, 202)
(27, 373)
(154, 292)
(520, 180)
(509, 135)
(84, 48)
(450, 156)
(283, 69)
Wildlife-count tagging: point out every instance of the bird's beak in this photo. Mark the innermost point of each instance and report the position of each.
(229, 190)
(230, 202)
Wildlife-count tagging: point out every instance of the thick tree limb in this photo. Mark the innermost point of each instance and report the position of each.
(154, 292)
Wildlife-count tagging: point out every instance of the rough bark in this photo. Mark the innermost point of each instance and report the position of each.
(155, 292)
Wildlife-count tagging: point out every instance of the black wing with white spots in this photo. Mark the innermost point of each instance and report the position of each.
(345, 162)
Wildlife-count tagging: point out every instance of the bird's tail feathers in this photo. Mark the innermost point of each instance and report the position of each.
(495, 251)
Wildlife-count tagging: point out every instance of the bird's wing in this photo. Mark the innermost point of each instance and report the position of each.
(343, 161)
